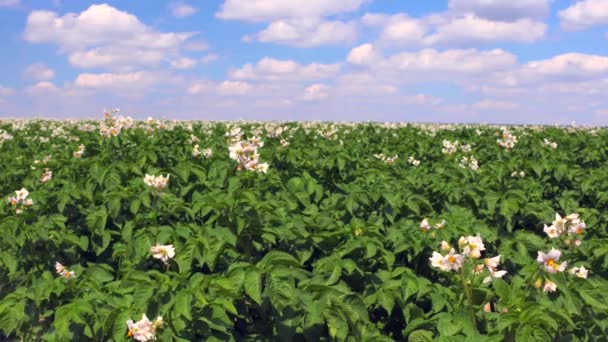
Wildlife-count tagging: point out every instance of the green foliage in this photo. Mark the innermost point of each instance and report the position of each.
(326, 245)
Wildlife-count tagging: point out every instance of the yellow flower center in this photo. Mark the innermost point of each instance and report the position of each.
(579, 231)
(551, 263)
(452, 259)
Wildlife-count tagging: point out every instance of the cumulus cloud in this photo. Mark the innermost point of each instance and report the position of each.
(42, 87)
(307, 32)
(502, 10)
(449, 29)
(363, 54)
(181, 10)
(300, 24)
(233, 88)
(315, 92)
(39, 72)
(183, 63)
(270, 10)
(568, 67)
(103, 36)
(584, 14)
(271, 69)
(471, 29)
(119, 81)
(469, 61)
(398, 27)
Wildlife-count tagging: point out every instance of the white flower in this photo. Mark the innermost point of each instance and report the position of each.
(451, 261)
(207, 152)
(22, 194)
(46, 176)
(472, 245)
(425, 224)
(551, 231)
(144, 330)
(163, 252)
(412, 161)
(156, 182)
(550, 259)
(63, 271)
(549, 286)
(580, 272)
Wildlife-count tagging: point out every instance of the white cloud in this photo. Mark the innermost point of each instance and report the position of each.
(233, 88)
(200, 87)
(569, 67)
(363, 54)
(447, 29)
(399, 27)
(6, 92)
(208, 58)
(183, 63)
(115, 58)
(269, 10)
(584, 14)
(118, 81)
(38, 72)
(469, 61)
(495, 105)
(316, 92)
(471, 29)
(307, 32)
(10, 3)
(103, 36)
(502, 10)
(43, 87)
(271, 69)
(181, 10)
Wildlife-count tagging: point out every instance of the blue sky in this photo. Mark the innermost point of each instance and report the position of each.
(517, 61)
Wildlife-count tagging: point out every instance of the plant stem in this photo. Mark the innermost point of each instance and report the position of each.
(469, 294)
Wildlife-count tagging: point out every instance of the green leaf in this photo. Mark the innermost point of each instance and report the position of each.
(253, 285)
(421, 336)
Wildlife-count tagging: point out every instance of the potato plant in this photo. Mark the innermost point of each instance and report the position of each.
(122, 230)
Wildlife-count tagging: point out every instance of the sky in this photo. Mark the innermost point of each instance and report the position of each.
(453, 61)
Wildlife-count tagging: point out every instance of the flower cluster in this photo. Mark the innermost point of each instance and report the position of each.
(113, 124)
(385, 159)
(63, 271)
(46, 176)
(4, 136)
(157, 182)
(518, 174)
(79, 152)
(570, 225)
(580, 272)
(20, 201)
(469, 162)
(549, 143)
(426, 226)
(449, 147)
(144, 330)
(245, 152)
(163, 252)
(196, 152)
(413, 161)
(508, 140)
(470, 248)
